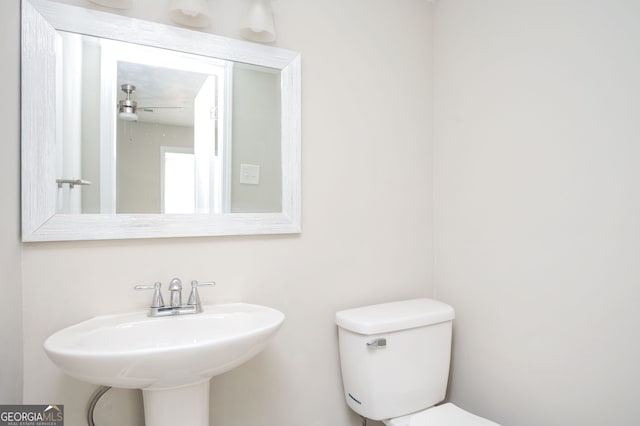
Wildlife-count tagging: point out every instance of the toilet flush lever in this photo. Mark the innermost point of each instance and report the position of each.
(377, 343)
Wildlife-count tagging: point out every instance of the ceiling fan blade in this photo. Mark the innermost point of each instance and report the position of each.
(160, 107)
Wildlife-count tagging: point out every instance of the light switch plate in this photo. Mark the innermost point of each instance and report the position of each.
(250, 174)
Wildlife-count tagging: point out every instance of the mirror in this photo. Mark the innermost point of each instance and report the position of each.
(133, 129)
(170, 132)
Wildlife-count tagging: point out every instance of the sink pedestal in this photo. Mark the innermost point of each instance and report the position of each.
(171, 359)
(187, 405)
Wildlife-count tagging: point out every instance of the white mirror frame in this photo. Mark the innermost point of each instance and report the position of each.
(40, 222)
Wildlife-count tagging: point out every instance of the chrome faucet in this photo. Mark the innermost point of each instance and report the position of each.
(158, 308)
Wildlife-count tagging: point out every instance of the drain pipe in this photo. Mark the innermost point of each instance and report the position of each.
(92, 403)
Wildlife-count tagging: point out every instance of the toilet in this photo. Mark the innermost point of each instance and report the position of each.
(395, 363)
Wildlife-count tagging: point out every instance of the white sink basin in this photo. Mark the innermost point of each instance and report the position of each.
(137, 351)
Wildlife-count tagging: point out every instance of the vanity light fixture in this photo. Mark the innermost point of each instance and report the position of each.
(257, 24)
(193, 13)
(116, 4)
(127, 107)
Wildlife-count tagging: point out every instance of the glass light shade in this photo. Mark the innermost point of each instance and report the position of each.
(257, 25)
(193, 13)
(128, 116)
(116, 4)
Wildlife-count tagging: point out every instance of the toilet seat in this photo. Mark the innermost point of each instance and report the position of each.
(448, 415)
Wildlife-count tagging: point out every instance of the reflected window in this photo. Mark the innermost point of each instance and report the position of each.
(178, 181)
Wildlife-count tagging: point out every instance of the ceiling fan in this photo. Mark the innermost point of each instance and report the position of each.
(128, 108)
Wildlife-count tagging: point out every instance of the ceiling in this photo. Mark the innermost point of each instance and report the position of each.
(164, 95)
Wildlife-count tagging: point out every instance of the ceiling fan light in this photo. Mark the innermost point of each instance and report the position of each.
(128, 116)
(127, 107)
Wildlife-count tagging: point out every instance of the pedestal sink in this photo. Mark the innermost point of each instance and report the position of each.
(171, 359)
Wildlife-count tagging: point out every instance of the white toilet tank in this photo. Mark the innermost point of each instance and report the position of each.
(395, 356)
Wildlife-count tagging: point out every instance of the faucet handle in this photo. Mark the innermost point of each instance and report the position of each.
(195, 283)
(194, 297)
(157, 301)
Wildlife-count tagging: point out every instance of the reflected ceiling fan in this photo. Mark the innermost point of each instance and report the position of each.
(128, 108)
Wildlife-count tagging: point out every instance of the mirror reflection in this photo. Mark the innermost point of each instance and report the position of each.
(143, 130)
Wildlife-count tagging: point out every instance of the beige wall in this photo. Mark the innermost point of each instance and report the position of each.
(138, 172)
(367, 210)
(256, 139)
(538, 207)
(10, 254)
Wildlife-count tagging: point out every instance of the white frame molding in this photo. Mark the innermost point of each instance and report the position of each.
(40, 20)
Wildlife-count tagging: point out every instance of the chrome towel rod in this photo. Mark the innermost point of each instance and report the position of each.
(72, 182)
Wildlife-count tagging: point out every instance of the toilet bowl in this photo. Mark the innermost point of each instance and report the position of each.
(395, 360)
(442, 415)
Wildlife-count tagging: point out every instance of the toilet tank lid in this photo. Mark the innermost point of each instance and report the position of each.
(394, 316)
